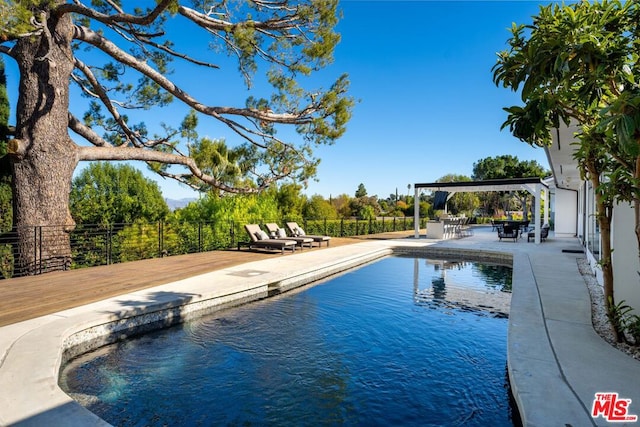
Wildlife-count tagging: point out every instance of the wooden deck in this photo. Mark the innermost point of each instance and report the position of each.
(29, 297)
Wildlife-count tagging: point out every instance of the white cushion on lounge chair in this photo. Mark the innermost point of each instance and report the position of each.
(300, 232)
(261, 235)
(281, 233)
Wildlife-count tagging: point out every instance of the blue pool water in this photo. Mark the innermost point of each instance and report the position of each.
(401, 342)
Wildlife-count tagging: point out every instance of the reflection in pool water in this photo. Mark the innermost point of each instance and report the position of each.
(397, 342)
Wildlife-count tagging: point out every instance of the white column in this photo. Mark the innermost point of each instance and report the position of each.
(547, 204)
(537, 213)
(416, 212)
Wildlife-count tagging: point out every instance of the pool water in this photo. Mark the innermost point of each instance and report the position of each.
(403, 342)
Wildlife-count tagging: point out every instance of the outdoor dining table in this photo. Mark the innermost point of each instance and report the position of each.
(521, 224)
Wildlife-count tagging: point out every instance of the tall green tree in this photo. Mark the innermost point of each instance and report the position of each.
(507, 166)
(361, 191)
(363, 206)
(578, 64)
(366, 207)
(290, 201)
(317, 207)
(56, 44)
(341, 205)
(106, 193)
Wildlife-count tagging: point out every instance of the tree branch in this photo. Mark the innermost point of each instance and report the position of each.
(102, 95)
(95, 39)
(7, 51)
(176, 54)
(215, 26)
(81, 9)
(86, 132)
(286, 23)
(129, 153)
(89, 134)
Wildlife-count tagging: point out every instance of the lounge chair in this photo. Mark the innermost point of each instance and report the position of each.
(508, 231)
(260, 239)
(295, 230)
(279, 233)
(544, 233)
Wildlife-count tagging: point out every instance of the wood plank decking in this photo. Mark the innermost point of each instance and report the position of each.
(29, 297)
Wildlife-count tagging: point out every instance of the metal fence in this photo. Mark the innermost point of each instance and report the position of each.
(40, 249)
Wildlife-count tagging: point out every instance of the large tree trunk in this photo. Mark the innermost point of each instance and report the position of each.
(43, 156)
(604, 213)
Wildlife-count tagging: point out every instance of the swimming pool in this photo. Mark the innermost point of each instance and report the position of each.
(403, 341)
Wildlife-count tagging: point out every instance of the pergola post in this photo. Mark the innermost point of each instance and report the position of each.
(416, 212)
(538, 200)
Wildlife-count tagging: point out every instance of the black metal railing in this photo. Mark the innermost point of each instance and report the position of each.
(39, 249)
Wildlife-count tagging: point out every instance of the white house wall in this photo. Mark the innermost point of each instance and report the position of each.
(580, 226)
(625, 257)
(565, 212)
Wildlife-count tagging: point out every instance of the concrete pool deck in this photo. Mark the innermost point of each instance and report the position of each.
(557, 363)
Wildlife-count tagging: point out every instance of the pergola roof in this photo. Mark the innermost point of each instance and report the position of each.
(511, 184)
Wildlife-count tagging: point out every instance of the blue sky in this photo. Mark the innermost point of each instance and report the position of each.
(421, 71)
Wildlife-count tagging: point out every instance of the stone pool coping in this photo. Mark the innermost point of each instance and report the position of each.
(547, 329)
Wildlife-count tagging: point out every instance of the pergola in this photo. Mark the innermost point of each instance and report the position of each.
(535, 186)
